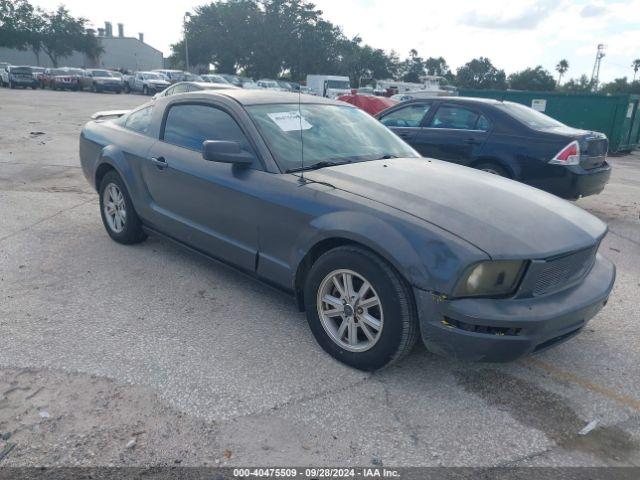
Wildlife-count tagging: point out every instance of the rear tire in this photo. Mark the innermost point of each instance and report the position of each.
(116, 209)
(493, 168)
(369, 327)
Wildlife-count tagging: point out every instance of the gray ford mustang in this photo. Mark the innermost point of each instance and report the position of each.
(377, 244)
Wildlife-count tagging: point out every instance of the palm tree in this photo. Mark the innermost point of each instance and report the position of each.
(636, 66)
(562, 68)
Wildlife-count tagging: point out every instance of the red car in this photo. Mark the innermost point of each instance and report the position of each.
(63, 78)
(369, 103)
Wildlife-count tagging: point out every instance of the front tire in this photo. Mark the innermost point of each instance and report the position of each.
(145, 90)
(116, 209)
(360, 310)
(493, 168)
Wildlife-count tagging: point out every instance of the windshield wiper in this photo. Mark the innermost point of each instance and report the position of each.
(387, 156)
(317, 166)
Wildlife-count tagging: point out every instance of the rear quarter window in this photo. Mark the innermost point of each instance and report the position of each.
(139, 120)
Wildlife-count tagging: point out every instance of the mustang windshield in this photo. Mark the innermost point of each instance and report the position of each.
(330, 133)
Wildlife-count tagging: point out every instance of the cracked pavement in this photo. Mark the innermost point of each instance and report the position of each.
(217, 369)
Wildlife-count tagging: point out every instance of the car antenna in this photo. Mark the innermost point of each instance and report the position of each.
(302, 180)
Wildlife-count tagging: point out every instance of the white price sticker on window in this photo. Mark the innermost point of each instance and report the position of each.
(290, 121)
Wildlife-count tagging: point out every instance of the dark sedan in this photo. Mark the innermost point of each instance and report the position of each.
(377, 244)
(507, 139)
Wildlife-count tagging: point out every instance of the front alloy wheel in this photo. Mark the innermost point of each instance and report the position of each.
(350, 310)
(359, 308)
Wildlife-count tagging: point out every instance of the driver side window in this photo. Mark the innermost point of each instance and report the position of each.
(189, 125)
(409, 116)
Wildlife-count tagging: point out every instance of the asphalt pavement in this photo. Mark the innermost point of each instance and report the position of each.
(216, 347)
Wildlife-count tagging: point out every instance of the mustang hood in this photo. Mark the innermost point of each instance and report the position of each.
(504, 218)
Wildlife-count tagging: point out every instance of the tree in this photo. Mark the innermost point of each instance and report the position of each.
(413, 67)
(265, 38)
(561, 68)
(16, 17)
(537, 79)
(581, 85)
(620, 85)
(636, 66)
(480, 73)
(61, 34)
(437, 66)
(277, 38)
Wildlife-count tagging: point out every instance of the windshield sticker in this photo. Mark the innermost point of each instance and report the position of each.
(290, 121)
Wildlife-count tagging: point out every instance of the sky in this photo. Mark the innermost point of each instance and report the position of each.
(514, 35)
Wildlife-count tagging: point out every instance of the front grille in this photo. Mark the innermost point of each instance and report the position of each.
(563, 271)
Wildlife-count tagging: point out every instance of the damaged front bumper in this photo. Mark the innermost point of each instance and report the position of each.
(502, 330)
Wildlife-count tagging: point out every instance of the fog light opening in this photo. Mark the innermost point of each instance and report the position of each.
(482, 329)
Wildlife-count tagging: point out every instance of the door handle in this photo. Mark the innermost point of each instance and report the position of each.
(404, 134)
(472, 141)
(159, 162)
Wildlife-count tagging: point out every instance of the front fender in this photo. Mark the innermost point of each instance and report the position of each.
(427, 257)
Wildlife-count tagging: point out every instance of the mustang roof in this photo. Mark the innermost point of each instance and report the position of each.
(265, 97)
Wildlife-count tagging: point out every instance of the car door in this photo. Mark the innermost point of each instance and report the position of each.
(405, 121)
(84, 80)
(207, 205)
(455, 133)
(138, 82)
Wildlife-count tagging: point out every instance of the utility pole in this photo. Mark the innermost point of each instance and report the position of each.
(595, 74)
(186, 43)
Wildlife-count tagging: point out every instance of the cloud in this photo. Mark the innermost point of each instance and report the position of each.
(526, 19)
(592, 11)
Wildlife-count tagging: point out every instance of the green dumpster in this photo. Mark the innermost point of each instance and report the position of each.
(617, 116)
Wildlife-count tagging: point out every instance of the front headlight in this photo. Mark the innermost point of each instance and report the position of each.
(491, 279)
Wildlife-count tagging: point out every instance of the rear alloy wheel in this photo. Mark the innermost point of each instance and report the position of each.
(494, 169)
(116, 208)
(359, 308)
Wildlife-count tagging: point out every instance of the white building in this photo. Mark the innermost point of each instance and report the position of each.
(120, 52)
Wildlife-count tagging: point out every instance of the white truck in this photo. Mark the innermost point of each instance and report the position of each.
(331, 86)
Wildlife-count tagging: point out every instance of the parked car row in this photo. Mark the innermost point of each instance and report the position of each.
(146, 82)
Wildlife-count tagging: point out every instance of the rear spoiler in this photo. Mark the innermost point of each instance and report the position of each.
(109, 114)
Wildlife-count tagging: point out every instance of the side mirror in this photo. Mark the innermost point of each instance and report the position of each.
(225, 152)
